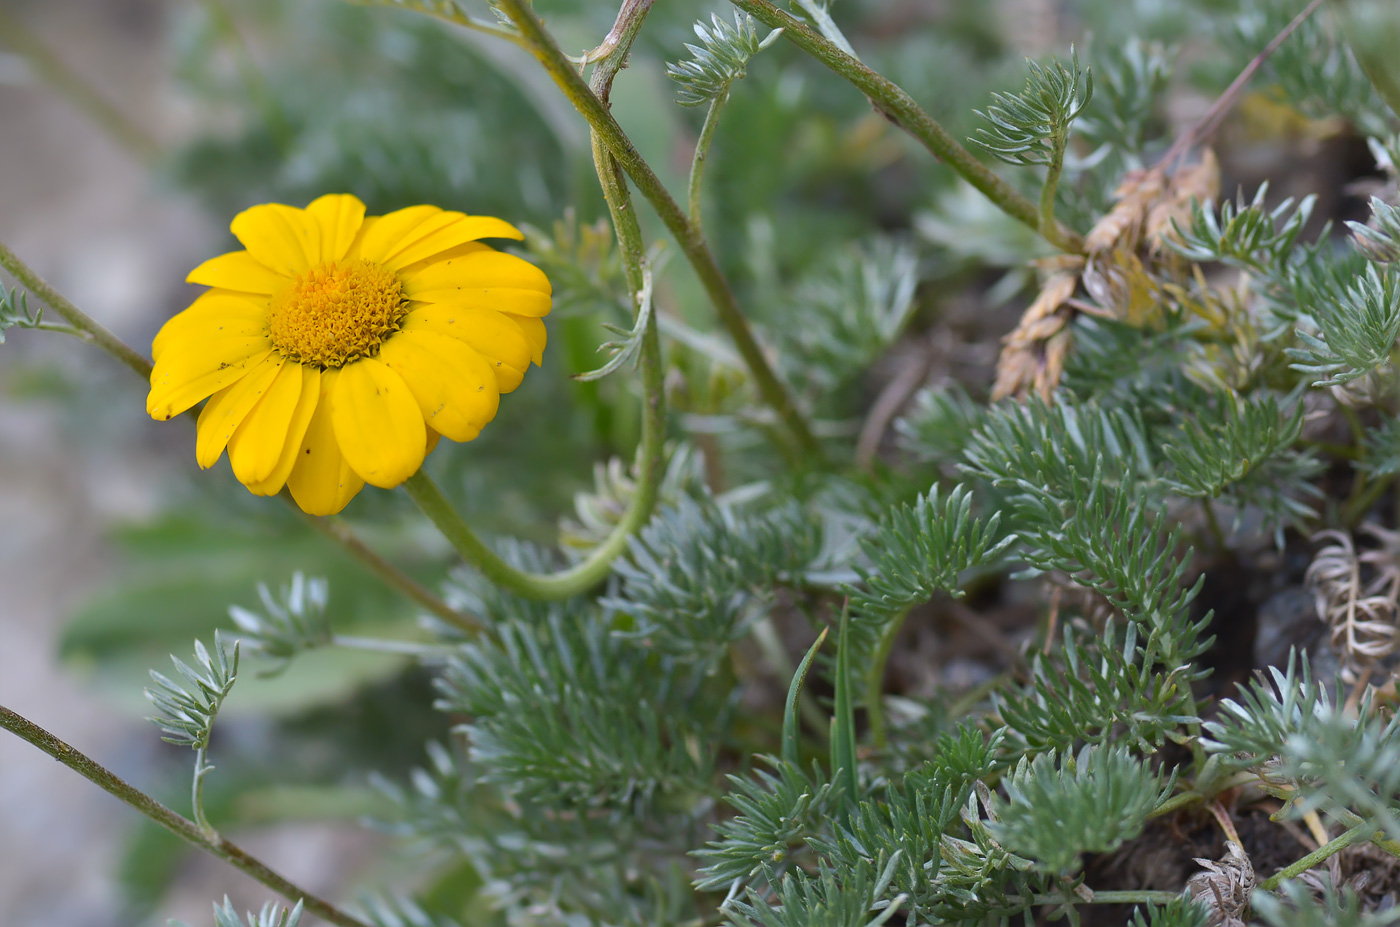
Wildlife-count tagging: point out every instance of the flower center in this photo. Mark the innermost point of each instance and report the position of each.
(336, 312)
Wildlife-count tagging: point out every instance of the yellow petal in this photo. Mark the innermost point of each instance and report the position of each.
(377, 423)
(451, 254)
(458, 230)
(182, 378)
(533, 330)
(227, 409)
(339, 216)
(483, 278)
(490, 333)
(380, 236)
(214, 313)
(239, 270)
(455, 387)
(281, 237)
(433, 437)
(321, 482)
(296, 432)
(257, 444)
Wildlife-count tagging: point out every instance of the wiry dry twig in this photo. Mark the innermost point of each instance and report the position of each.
(1358, 596)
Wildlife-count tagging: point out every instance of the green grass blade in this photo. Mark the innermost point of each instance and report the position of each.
(795, 690)
(843, 721)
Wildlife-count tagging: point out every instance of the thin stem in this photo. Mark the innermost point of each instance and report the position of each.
(452, 13)
(180, 826)
(691, 242)
(1217, 533)
(334, 529)
(1208, 123)
(702, 152)
(1179, 800)
(383, 645)
(1357, 834)
(591, 571)
(1049, 228)
(338, 531)
(565, 583)
(104, 339)
(201, 769)
(875, 679)
(898, 107)
(52, 69)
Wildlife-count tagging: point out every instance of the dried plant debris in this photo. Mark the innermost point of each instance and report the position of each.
(1127, 272)
(1224, 887)
(1356, 594)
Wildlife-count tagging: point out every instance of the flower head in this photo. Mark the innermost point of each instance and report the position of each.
(337, 348)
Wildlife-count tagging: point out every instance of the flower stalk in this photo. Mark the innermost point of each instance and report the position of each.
(187, 830)
(90, 330)
(692, 242)
(898, 107)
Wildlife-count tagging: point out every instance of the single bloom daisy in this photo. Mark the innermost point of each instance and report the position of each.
(337, 348)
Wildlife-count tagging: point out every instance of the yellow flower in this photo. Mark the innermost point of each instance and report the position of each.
(337, 348)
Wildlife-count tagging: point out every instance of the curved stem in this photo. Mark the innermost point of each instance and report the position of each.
(1325, 852)
(875, 679)
(1049, 228)
(334, 529)
(178, 825)
(898, 107)
(583, 576)
(338, 531)
(702, 153)
(74, 316)
(691, 242)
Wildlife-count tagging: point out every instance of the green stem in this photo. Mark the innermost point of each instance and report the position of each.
(875, 679)
(338, 531)
(66, 81)
(334, 529)
(383, 645)
(178, 825)
(591, 571)
(201, 769)
(1049, 228)
(1329, 849)
(565, 583)
(897, 106)
(702, 153)
(1363, 496)
(691, 242)
(1179, 800)
(74, 316)
(1217, 533)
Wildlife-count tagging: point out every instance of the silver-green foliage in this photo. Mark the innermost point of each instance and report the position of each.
(569, 713)
(186, 706)
(1030, 127)
(289, 622)
(270, 915)
(1060, 806)
(1102, 689)
(920, 549)
(719, 60)
(1357, 326)
(1296, 905)
(1299, 732)
(699, 574)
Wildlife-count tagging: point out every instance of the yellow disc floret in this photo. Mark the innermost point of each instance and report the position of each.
(336, 312)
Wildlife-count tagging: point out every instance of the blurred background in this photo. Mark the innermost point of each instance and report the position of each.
(131, 131)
